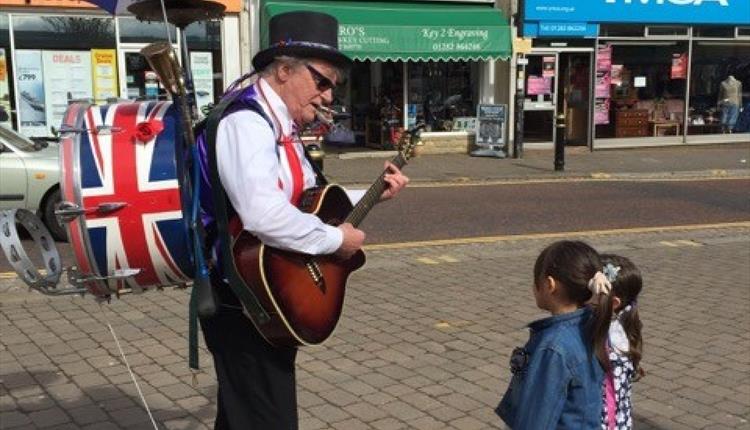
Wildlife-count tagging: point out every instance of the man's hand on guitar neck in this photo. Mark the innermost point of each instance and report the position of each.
(354, 238)
(395, 181)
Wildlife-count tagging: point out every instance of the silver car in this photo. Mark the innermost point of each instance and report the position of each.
(30, 177)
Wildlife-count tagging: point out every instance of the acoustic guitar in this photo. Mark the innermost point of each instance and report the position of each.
(304, 294)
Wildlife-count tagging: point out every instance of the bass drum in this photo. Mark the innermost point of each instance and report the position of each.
(123, 195)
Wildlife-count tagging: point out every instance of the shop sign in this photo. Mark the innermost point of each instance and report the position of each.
(560, 29)
(201, 64)
(104, 67)
(67, 76)
(30, 87)
(4, 93)
(685, 12)
(522, 46)
(369, 39)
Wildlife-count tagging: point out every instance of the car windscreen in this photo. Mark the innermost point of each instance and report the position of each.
(16, 140)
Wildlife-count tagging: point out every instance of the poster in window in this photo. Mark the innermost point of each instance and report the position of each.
(30, 87)
(601, 111)
(67, 76)
(4, 93)
(104, 67)
(201, 64)
(679, 66)
(548, 67)
(537, 85)
(604, 58)
(615, 75)
(603, 80)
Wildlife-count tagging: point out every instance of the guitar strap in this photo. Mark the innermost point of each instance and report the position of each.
(246, 297)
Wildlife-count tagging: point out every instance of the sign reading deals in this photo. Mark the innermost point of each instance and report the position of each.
(685, 12)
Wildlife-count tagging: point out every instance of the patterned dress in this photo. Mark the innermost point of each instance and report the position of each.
(621, 373)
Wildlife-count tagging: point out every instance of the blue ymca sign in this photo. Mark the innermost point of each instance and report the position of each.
(684, 12)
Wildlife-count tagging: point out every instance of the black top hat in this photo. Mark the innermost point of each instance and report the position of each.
(303, 34)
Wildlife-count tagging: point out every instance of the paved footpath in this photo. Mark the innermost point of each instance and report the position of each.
(423, 344)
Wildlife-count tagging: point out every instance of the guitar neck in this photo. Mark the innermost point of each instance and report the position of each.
(372, 196)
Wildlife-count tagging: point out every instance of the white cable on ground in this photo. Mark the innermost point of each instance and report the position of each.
(132, 375)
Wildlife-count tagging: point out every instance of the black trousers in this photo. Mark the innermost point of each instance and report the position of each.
(257, 387)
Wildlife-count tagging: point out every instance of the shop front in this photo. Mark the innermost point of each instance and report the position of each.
(414, 62)
(640, 73)
(50, 56)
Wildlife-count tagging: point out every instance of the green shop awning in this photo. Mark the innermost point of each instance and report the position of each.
(381, 31)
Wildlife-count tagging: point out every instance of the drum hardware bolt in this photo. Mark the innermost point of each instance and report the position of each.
(100, 129)
(110, 207)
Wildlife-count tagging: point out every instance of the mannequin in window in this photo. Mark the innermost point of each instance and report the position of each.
(730, 99)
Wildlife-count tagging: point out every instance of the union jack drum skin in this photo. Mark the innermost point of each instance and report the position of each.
(122, 167)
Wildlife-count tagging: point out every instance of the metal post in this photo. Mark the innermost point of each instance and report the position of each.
(560, 143)
(520, 94)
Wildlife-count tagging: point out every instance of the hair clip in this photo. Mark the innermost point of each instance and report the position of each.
(599, 284)
(611, 271)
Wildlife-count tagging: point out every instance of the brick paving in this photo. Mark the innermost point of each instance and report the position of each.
(423, 343)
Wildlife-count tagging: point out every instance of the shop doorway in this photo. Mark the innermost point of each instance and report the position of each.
(557, 83)
(575, 100)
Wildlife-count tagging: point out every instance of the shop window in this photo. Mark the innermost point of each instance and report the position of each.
(616, 30)
(63, 32)
(441, 92)
(743, 32)
(59, 59)
(640, 89)
(719, 88)
(6, 111)
(204, 47)
(134, 31)
(714, 32)
(652, 31)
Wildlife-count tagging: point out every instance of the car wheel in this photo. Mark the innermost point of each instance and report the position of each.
(50, 220)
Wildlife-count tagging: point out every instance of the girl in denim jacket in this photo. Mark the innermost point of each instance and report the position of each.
(557, 377)
(624, 342)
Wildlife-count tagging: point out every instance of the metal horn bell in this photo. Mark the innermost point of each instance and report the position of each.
(163, 61)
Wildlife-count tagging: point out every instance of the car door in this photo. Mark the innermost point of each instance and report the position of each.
(12, 179)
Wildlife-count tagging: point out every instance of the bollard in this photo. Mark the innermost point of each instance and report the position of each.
(560, 143)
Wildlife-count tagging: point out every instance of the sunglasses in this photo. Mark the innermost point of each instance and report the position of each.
(321, 82)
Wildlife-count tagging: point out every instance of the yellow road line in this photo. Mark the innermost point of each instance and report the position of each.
(489, 239)
(594, 177)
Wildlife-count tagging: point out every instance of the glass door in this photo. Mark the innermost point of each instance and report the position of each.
(540, 98)
(574, 86)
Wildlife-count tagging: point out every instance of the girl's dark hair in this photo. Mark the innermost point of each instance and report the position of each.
(627, 286)
(573, 264)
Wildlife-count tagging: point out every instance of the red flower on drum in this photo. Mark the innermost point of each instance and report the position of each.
(147, 130)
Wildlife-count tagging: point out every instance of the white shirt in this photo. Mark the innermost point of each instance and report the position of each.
(251, 167)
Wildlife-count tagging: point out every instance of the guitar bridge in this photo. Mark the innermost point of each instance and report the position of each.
(317, 276)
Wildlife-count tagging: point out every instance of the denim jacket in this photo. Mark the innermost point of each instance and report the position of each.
(557, 380)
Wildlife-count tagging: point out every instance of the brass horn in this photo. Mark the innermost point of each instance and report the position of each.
(162, 59)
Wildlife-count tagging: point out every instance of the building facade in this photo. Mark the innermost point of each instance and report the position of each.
(414, 61)
(634, 73)
(52, 52)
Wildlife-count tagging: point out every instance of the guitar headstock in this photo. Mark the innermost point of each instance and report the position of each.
(409, 140)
